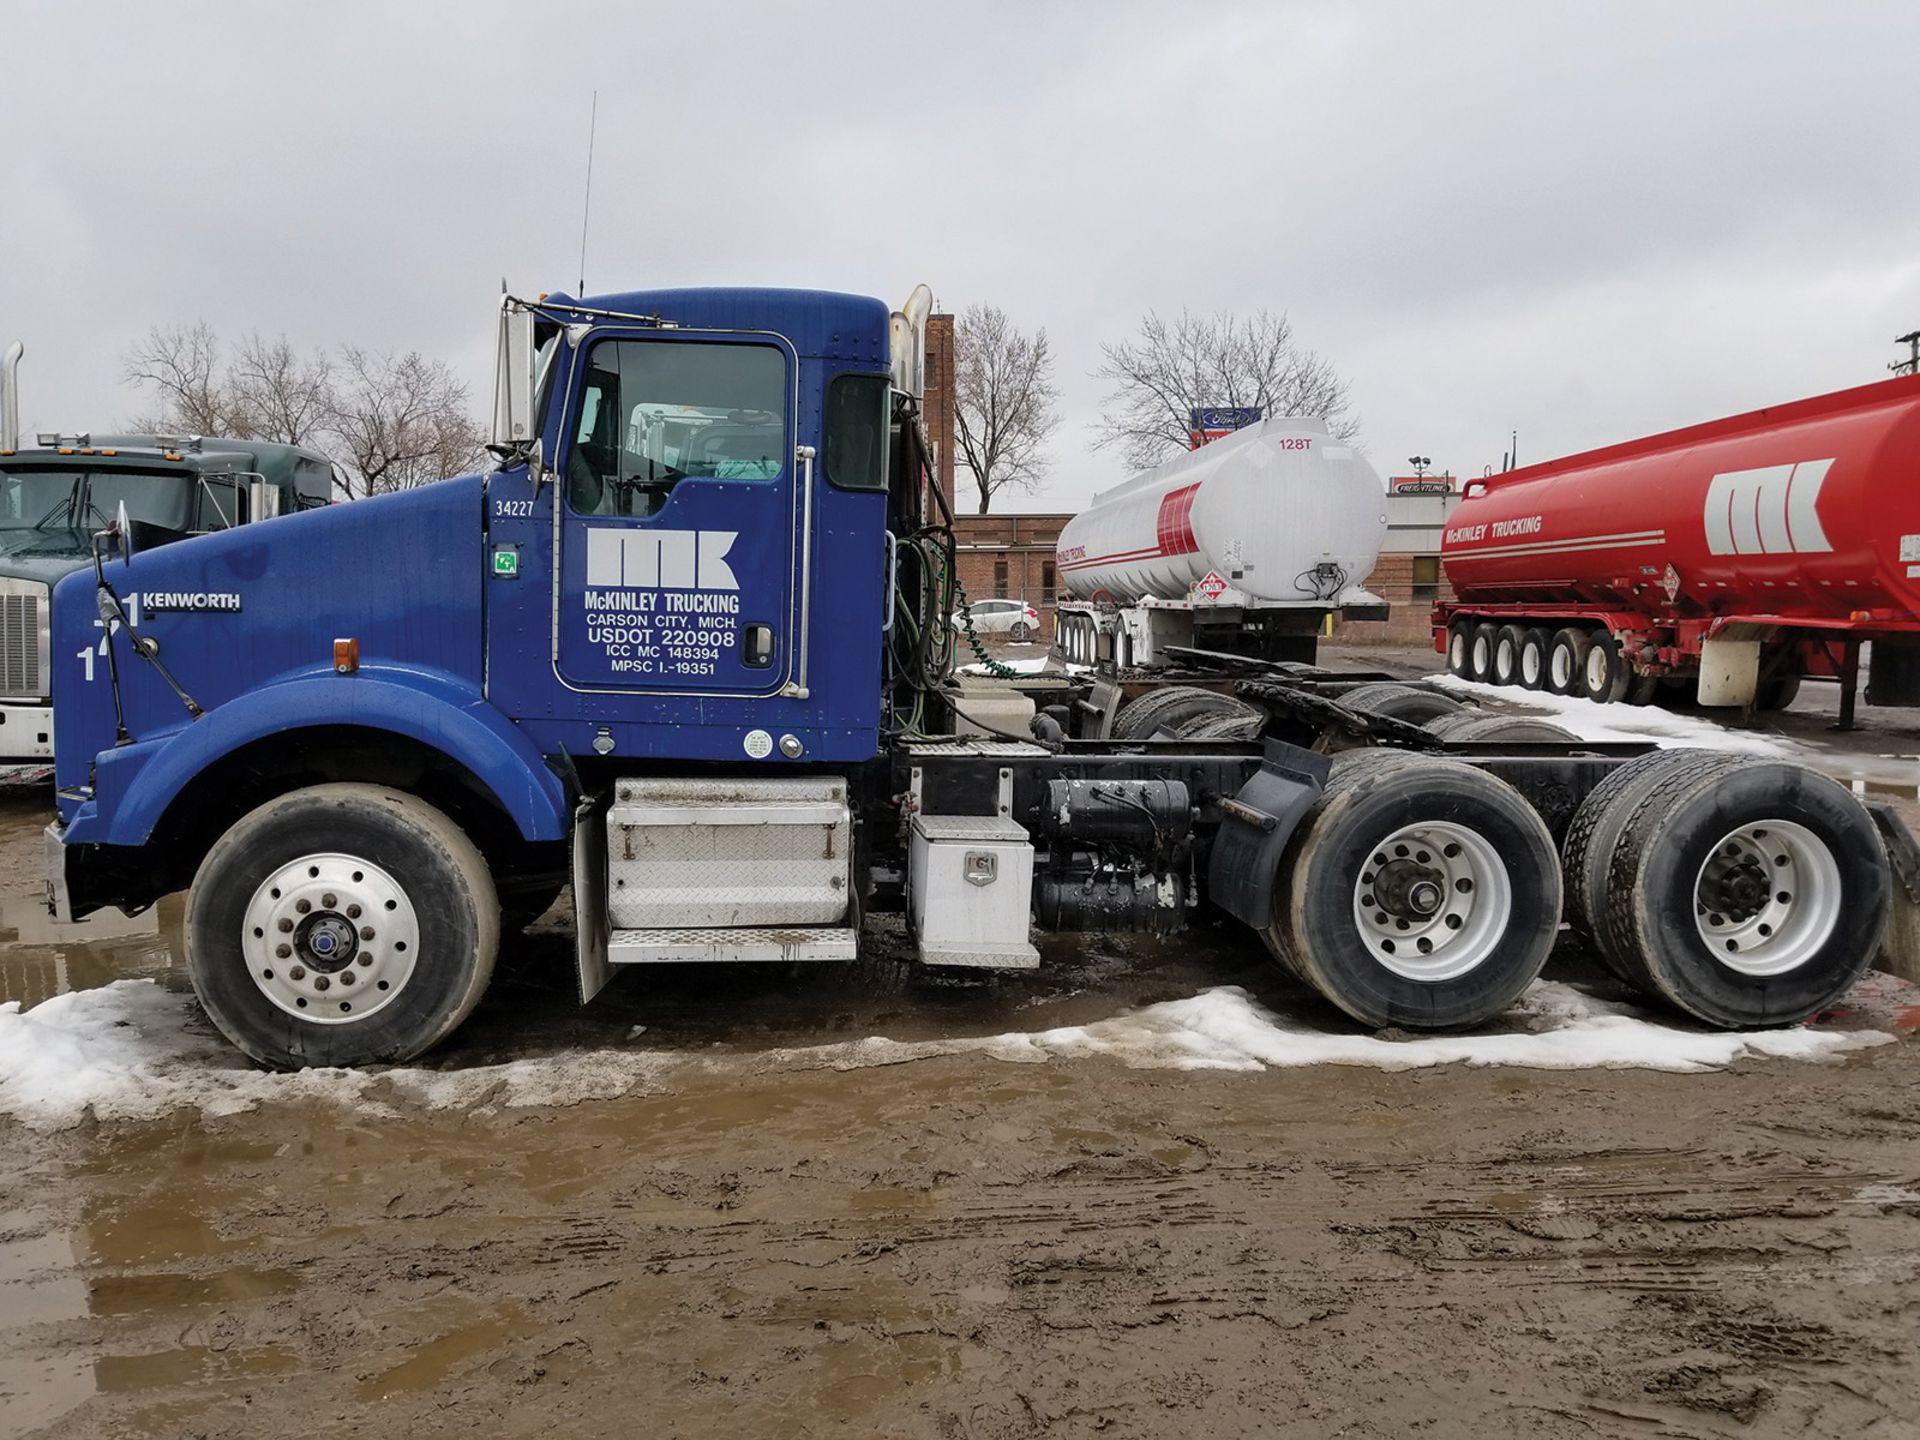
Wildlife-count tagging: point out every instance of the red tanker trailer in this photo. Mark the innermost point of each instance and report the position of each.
(1729, 559)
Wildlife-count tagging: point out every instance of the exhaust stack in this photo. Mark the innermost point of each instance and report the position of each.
(10, 397)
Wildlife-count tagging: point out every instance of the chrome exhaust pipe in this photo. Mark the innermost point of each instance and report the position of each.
(10, 397)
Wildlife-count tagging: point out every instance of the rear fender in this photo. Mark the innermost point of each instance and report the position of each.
(1256, 825)
(429, 706)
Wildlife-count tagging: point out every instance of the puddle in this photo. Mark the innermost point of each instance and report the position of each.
(40, 959)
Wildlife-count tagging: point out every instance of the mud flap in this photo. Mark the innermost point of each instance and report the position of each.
(1900, 949)
(590, 932)
(1255, 826)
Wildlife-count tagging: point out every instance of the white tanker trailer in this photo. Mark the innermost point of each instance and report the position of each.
(1244, 546)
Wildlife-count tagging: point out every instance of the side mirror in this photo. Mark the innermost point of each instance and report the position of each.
(513, 418)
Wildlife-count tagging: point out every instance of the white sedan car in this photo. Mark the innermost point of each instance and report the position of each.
(1015, 619)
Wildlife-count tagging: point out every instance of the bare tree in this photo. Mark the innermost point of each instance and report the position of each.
(1003, 401)
(389, 421)
(182, 365)
(400, 421)
(1173, 367)
(274, 393)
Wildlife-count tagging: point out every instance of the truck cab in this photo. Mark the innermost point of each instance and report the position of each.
(58, 493)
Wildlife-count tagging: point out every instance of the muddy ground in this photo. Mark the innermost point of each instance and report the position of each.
(960, 1246)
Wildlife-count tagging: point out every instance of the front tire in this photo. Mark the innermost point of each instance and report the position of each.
(341, 925)
(1418, 892)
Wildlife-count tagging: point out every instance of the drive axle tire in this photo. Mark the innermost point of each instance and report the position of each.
(1506, 654)
(1460, 649)
(1567, 660)
(1231, 726)
(1481, 728)
(1417, 892)
(1595, 828)
(341, 925)
(1534, 645)
(1747, 894)
(1486, 635)
(1400, 702)
(1171, 707)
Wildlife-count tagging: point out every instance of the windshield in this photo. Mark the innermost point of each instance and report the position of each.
(52, 498)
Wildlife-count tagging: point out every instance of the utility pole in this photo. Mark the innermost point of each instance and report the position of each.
(1910, 365)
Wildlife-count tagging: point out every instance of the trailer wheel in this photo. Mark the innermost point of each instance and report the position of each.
(1170, 707)
(1480, 654)
(1777, 693)
(1506, 654)
(1460, 649)
(341, 925)
(1418, 892)
(1606, 675)
(1751, 894)
(1534, 644)
(1400, 702)
(1567, 661)
(1596, 826)
(1517, 729)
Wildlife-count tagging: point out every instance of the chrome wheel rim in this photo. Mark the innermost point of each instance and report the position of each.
(330, 939)
(1432, 901)
(1767, 898)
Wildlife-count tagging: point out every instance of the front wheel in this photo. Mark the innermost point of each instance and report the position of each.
(341, 925)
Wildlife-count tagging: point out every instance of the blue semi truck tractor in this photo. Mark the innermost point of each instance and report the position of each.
(684, 647)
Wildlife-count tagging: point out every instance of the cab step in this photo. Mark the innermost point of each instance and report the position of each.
(980, 956)
(747, 944)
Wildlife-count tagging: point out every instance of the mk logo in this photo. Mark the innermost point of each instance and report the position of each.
(1769, 511)
(660, 559)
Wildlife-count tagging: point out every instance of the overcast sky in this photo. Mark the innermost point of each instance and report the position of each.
(1585, 222)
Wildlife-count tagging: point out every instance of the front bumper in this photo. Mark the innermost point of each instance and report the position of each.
(59, 898)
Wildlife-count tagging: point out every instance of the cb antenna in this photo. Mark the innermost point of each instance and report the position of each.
(586, 204)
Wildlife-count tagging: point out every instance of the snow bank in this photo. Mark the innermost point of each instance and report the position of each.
(132, 1050)
(1591, 721)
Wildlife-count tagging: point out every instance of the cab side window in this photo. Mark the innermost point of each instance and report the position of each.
(655, 412)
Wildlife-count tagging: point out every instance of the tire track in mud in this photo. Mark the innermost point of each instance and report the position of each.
(956, 1250)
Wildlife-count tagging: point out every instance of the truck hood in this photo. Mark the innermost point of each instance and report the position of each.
(44, 555)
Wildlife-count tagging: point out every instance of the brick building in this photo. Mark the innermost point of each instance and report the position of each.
(1408, 575)
(1010, 557)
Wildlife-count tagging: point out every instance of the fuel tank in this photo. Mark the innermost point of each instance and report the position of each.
(1281, 511)
(1809, 511)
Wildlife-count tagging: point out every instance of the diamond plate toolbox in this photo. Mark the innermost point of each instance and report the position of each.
(724, 852)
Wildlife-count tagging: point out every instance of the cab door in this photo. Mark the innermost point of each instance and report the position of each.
(677, 513)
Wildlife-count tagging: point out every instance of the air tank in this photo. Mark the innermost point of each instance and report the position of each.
(1264, 508)
(1809, 510)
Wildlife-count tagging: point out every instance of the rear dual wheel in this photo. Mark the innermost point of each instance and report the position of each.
(1742, 892)
(1418, 892)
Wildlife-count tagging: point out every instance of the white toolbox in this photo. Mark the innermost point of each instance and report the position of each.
(972, 891)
